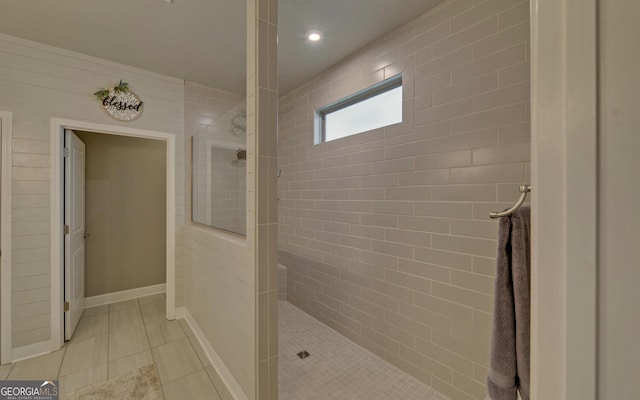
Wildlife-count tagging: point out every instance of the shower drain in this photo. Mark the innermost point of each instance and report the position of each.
(303, 354)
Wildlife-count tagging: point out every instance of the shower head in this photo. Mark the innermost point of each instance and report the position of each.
(241, 158)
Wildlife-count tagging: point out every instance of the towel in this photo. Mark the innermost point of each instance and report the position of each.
(509, 373)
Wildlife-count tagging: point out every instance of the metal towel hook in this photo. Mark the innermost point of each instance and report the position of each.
(524, 189)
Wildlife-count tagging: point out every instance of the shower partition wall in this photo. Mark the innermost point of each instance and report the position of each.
(219, 172)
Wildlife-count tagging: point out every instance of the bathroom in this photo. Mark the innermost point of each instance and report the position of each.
(384, 236)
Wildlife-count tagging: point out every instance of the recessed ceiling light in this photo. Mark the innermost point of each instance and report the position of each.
(314, 35)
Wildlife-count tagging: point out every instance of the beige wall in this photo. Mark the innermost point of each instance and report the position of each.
(386, 234)
(619, 196)
(42, 82)
(125, 212)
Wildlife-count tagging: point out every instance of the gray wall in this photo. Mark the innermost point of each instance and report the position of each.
(125, 212)
(386, 234)
(619, 196)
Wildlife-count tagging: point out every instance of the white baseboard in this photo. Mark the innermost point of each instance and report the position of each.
(30, 351)
(225, 375)
(130, 294)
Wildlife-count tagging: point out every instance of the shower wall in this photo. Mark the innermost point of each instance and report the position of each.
(386, 234)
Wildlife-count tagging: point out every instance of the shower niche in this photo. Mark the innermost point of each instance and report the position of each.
(219, 160)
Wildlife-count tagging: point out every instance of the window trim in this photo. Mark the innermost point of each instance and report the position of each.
(381, 87)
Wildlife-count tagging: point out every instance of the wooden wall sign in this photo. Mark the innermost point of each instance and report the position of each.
(120, 102)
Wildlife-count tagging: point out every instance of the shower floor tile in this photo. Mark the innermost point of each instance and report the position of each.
(336, 368)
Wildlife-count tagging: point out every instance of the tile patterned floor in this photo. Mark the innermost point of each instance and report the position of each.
(116, 339)
(337, 368)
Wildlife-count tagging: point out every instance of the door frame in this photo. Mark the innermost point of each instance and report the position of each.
(564, 132)
(5, 267)
(57, 203)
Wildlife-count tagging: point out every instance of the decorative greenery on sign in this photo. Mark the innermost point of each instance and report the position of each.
(120, 102)
(121, 87)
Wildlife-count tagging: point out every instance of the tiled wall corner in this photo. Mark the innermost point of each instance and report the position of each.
(262, 94)
(386, 234)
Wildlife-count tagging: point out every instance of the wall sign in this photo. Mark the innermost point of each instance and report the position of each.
(120, 102)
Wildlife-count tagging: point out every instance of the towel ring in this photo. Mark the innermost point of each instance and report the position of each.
(524, 189)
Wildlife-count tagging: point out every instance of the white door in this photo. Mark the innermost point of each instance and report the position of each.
(74, 254)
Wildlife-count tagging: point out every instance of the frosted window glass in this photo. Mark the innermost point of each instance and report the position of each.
(372, 113)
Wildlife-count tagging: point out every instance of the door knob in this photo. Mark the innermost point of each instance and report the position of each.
(86, 235)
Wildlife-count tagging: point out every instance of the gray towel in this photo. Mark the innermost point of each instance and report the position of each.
(509, 371)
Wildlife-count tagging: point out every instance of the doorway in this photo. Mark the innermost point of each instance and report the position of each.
(60, 210)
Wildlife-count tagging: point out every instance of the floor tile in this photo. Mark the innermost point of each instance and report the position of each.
(175, 360)
(121, 305)
(89, 312)
(124, 318)
(79, 379)
(129, 363)
(154, 311)
(68, 396)
(5, 370)
(199, 351)
(164, 331)
(90, 326)
(127, 341)
(43, 367)
(83, 354)
(193, 387)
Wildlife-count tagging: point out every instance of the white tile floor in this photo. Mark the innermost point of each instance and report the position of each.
(116, 339)
(337, 368)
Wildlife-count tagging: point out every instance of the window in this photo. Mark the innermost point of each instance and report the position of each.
(374, 107)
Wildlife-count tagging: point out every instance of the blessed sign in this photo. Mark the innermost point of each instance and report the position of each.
(120, 102)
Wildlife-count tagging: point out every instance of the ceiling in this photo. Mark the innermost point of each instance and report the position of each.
(203, 41)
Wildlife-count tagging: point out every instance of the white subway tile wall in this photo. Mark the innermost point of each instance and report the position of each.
(386, 234)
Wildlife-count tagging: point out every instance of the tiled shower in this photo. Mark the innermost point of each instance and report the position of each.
(385, 235)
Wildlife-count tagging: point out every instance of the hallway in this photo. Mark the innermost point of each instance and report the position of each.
(126, 350)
